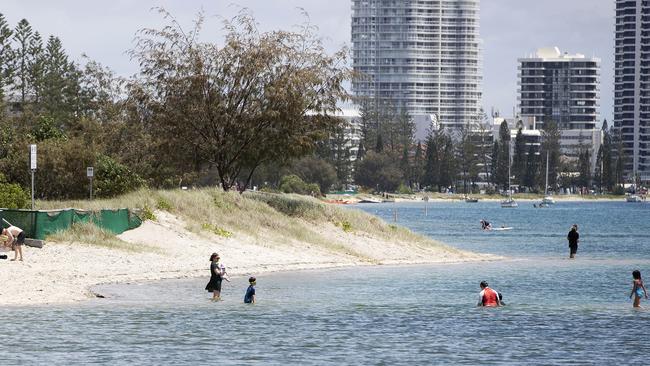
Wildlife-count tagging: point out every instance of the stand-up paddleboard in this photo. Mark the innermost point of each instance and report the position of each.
(502, 228)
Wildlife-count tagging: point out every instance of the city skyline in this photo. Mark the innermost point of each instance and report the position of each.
(510, 29)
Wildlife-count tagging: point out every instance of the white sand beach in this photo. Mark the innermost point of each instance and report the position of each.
(65, 272)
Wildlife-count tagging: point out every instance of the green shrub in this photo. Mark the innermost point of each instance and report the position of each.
(163, 204)
(293, 184)
(618, 191)
(147, 214)
(12, 195)
(291, 206)
(404, 189)
(216, 230)
(345, 225)
(113, 179)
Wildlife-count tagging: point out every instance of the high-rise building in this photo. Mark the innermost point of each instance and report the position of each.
(560, 87)
(565, 89)
(420, 55)
(632, 85)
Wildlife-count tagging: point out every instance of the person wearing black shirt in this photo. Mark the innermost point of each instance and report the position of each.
(573, 238)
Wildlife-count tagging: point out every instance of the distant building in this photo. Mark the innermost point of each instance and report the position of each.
(564, 88)
(632, 85)
(572, 142)
(532, 136)
(560, 87)
(423, 56)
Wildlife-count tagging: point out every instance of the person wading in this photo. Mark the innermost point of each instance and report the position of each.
(488, 296)
(573, 238)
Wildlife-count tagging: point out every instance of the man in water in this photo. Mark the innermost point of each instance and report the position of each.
(486, 225)
(249, 297)
(573, 238)
(488, 297)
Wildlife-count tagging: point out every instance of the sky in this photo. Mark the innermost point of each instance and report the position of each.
(104, 30)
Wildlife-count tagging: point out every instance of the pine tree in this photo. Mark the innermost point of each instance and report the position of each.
(503, 155)
(36, 68)
(23, 36)
(551, 144)
(6, 56)
(418, 166)
(431, 175)
(584, 168)
(379, 147)
(532, 167)
(519, 158)
(494, 165)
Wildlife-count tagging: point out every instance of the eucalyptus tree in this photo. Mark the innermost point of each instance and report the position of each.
(259, 97)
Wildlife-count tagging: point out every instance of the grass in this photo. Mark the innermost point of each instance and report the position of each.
(90, 234)
(270, 217)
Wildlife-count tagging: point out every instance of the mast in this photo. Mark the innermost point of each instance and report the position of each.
(509, 163)
(546, 186)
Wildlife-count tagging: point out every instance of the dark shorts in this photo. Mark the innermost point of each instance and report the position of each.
(20, 240)
(573, 248)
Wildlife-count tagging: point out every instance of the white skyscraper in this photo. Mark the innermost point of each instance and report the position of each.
(421, 55)
(632, 85)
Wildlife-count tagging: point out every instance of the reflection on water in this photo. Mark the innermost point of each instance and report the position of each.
(559, 311)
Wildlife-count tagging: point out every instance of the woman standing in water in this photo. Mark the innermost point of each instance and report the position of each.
(217, 272)
(638, 289)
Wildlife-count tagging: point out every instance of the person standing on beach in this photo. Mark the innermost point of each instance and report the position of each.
(638, 289)
(217, 274)
(15, 238)
(573, 238)
(249, 297)
(488, 297)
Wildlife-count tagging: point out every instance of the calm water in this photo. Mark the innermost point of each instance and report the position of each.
(559, 311)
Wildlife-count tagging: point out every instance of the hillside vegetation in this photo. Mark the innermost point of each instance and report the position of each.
(263, 216)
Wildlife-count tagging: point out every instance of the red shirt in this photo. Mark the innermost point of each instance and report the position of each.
(489, 297)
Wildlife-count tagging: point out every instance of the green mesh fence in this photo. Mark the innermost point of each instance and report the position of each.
(39, 224)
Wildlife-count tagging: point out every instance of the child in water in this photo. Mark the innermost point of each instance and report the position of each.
(249, 298)
(638, 289)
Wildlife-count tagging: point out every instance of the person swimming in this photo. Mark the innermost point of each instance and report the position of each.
(486, 225)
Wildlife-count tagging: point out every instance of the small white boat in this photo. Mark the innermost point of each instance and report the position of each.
(471, 200)
(548, 200)
(370, 200)
(633, 198)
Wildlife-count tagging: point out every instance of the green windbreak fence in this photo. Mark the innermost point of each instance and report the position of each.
(39, 224)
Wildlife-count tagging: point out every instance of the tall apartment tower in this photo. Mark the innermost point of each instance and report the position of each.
(560, 87)
(421, 55)
(632, 84)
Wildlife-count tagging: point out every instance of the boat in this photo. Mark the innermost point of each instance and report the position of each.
(370, 200)
(509, 203)
(470, 199)
(633, 197)
(547, 200)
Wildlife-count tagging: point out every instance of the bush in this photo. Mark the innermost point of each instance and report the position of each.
(291, 206)
(12, 195)
(293, 184)
(163, 204)
(404, 189)
(216, 230)
(147, 214)
(618, 191)
(113, 179)
(314, 170)
(378, 171)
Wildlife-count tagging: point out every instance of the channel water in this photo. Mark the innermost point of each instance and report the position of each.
(558, 311)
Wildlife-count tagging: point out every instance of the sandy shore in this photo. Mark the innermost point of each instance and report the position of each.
(64, 272)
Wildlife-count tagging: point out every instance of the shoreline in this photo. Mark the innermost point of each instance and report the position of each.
(67, 273)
